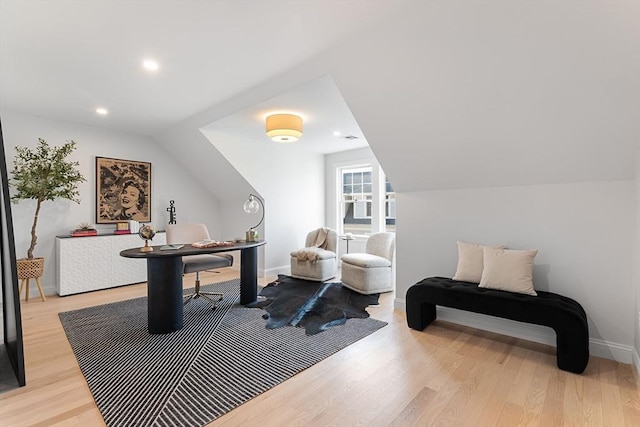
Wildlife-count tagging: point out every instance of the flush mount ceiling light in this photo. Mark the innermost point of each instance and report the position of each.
(284, 127)
(102, 111)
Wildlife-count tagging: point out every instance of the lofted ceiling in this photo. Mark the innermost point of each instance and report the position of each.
(450, 94)
(63, 59)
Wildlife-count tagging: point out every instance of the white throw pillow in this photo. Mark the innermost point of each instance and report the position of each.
(470, 262)
(508, 270)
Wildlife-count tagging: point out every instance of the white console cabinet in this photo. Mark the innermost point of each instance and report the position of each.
(94, 262)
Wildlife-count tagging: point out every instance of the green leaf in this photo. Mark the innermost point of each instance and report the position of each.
(43, 173)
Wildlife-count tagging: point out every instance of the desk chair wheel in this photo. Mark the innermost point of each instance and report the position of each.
(206, 295)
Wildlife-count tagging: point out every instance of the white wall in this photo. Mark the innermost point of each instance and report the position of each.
(170, 181)
(290, 180)
(581, 232)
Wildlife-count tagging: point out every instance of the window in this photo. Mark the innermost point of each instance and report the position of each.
(356, 200)
(359, 205)
(389, 207)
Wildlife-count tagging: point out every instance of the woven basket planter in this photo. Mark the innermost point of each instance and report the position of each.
(30, 268)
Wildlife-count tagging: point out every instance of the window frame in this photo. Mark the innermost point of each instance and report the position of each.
(377, 203)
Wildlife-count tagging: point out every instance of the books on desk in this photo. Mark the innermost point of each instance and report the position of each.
(171, 247)
(211, 243)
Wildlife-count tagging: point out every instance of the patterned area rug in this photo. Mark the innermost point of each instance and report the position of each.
(219, 360)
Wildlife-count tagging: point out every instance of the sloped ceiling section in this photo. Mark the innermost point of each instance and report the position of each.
(60, 58)
(486, 94)
(495, 94)
(192, 150)
(195, 151)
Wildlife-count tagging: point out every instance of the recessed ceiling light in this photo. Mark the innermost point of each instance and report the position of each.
(150, 65)
(102, 111)
(336, 133)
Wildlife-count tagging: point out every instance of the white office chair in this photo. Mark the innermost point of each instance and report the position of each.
(186, 234)
(370, 272)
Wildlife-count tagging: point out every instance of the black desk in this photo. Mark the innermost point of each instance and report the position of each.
(164, 281)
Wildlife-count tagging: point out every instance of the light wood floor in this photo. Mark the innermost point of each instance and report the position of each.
(445, 375)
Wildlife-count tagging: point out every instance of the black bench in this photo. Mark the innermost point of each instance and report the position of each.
(567, 318)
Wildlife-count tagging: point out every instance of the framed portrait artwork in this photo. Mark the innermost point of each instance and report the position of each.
(123, 190)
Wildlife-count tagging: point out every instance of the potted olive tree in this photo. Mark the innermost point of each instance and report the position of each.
(42, 174)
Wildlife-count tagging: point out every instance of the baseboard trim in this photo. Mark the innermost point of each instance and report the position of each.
(274, 271)
(265, 273)
(540, 334)
(611, 350)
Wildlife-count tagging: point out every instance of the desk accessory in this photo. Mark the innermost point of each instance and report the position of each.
(252, 205)
(146, 233)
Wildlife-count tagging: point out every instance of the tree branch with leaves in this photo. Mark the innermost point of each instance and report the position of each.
(43, 174)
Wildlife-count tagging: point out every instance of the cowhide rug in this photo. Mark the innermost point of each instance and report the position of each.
(314, 306)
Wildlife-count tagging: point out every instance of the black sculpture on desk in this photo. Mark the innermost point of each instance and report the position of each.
(172, 212)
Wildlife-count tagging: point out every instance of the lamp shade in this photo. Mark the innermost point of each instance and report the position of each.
(284, 127)
(251, 205)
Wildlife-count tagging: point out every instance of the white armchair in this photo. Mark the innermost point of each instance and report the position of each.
(317, 260)
(370, 272)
